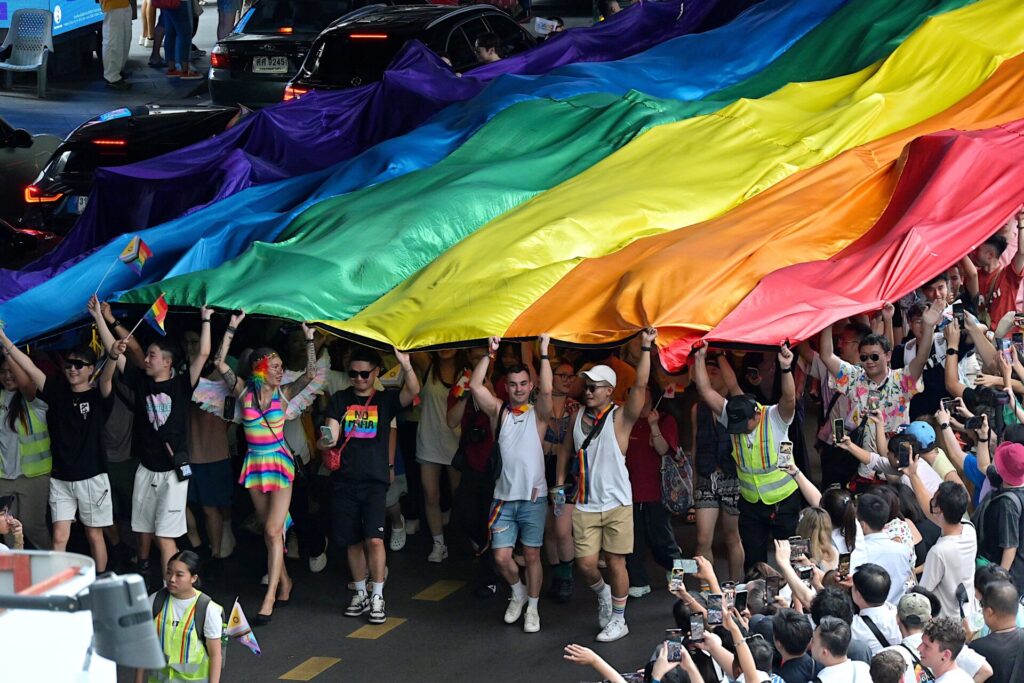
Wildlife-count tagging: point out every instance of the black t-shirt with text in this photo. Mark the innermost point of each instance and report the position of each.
(365, 458)
(161, 417)
(76, 421)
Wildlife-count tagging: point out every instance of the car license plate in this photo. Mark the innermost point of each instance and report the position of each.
(269, 65)
(76, 205)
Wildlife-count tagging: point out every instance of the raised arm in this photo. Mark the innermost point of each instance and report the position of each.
(411, 385)
(969, 274)
(712, 398)
(134, 352)
(545, 405)
(114, 353)
(952, 373)
(638, 394)
(929, 319)
(800, 590)
(827, 353)
(787, 402)
(485, 400)
(24, 365)
(293, 388)
(853, 449)
(888, 311)
(808, 490)
(232, 381)
(195, 368)
(732, 385)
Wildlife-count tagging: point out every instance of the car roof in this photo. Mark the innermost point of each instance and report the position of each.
(404, 17)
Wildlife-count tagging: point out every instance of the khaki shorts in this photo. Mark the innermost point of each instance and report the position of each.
(89, 498)
(610, 531)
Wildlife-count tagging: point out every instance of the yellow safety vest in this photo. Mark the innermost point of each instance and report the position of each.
(33, 445)
(757, 465)
(187, 659)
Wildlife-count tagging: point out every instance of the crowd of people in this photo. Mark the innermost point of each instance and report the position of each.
(866, 486)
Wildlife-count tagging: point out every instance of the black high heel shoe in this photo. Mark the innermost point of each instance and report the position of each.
(262, 619)
(278, 602)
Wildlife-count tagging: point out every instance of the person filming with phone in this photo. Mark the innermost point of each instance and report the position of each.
(9, 526)
(769, 499)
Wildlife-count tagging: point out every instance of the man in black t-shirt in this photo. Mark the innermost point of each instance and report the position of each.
(76, 414)
(160, 437)
(358, 420)
(1002, 518)
(1003, 647)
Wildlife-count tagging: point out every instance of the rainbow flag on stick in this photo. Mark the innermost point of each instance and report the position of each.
(135, 254)
(155, 316)
(239, 629)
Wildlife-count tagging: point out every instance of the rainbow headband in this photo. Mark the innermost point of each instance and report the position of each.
(261, 370)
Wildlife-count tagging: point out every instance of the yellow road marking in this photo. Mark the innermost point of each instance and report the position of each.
(310, 669)
(375, 631)
(439, 591)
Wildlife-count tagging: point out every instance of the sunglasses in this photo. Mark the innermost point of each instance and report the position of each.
(874, 357)
(592, 388)
(361, 374)
(76, 363)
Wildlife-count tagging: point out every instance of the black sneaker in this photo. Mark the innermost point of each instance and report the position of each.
(119, 85)
(360, 605)
(565, 591)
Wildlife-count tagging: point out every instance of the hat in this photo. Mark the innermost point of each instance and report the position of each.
(1014, 434)
(600, 373)
(914, 609)
(923, 433)
(1010, 463)
(738, 411)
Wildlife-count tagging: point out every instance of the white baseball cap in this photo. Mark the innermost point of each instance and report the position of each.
(600, 373)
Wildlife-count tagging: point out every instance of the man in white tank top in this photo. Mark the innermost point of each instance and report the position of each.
(603, 519)
(520, 493)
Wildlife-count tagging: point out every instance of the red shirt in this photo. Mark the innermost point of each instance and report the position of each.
(643, 461)
(1000, 297)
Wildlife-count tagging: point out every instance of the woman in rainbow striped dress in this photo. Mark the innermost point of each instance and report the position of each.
(269, 466)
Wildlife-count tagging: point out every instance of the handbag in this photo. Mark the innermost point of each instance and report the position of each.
(676, 482)
(332, 458)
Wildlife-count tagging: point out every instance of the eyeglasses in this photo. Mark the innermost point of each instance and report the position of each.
(563, 375)
(874, 357)
(361, 374)
(592, 388)
(76, 363)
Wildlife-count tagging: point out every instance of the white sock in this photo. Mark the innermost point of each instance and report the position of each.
(532, 603)
(361, 586)
(378, 588)
(438, 539)
(600, 587)
(518, 590)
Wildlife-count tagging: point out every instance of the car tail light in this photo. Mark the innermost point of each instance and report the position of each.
(292, 92)
(368, 36)
(219, 58)
(109, 142)
(286, 30)
(34, 195)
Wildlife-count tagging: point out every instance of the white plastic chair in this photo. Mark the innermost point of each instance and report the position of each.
(31, 36)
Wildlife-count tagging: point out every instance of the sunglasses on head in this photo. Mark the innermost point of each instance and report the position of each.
(873, 356)
(592, 388)
(76, 363)
(361, 374)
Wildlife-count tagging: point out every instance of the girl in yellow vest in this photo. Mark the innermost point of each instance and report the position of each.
(177, 627)
(25, 460)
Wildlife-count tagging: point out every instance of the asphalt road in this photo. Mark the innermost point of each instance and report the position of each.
(437, 630)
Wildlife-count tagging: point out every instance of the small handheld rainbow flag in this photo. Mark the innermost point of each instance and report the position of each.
(135, 254)
(156, 315)
(460, 388)
(239, 629)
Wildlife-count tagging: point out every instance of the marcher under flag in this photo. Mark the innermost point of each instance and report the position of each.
(239, 629)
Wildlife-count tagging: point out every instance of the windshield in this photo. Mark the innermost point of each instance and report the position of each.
(339, 59)
(307, 16)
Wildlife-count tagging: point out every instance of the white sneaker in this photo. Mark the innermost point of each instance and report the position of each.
(615, 629)
(149, 43)
(265, 580)
(604, 611)
(438, 554)
(515, 609)
(142, 41)
(360, 605)
(227, 542)
(398, 534)
(317, 564)
(531, 624)
(639, 591)
(377, 615)
(412, 526)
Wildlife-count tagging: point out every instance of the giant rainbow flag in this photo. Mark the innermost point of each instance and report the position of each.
(748, 190)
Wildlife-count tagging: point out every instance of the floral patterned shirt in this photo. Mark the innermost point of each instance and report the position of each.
(896, 391)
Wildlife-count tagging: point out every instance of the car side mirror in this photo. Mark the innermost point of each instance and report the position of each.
(21, 138)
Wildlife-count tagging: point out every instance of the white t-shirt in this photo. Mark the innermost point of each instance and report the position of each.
(840, 543)
(956, 675)
(214, 615)
(847, 672)
(879, 465)
(4, 548)
(893, 557)
(949, 563)
(779, 427)
(968, 660)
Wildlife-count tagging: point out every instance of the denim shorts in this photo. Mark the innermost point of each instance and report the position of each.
(519, 519)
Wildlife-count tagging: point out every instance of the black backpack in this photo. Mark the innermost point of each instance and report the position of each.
(160, 600)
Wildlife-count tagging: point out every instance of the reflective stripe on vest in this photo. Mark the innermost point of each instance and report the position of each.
(757, 465)
(187, 659)
(34, 446)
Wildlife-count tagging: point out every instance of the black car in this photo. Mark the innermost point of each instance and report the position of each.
(253, 64)
(357, 50)
(22, 156)
(19, 246)
(59, 194)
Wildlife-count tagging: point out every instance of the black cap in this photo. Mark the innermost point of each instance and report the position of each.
(738, 411)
